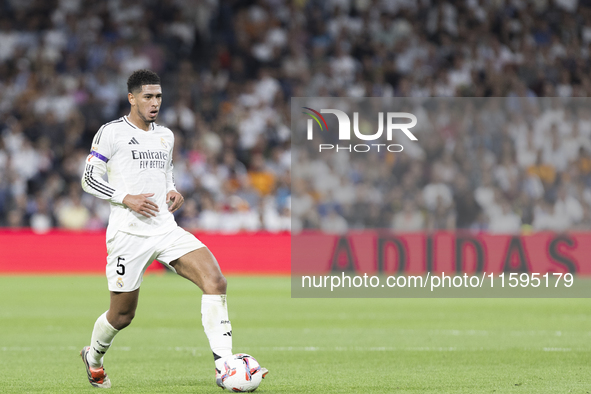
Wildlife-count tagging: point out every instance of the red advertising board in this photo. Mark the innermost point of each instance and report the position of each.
(386, 252)
(23, 251)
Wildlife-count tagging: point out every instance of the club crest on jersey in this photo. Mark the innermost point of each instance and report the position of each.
(163, 142)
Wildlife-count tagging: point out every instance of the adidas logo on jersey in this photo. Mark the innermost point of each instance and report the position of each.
(133, 142)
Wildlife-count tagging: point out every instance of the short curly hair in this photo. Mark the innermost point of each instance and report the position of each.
(140, 78)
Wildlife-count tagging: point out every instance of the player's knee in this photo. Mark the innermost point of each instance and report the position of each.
(123, 320)
(222, 284)
(216, 285)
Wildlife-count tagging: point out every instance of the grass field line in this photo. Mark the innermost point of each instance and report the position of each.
(454, 332)
(195, 350)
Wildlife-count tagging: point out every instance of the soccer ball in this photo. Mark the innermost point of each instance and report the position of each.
(241, 373)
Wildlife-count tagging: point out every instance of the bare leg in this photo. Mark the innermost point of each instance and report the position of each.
(122, 308)
(119, 315)
(201, 268)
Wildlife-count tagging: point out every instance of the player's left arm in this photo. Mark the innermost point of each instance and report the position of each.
(173, 198)
(176, 198)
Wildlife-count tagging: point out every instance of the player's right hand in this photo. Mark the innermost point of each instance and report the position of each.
(139, 203)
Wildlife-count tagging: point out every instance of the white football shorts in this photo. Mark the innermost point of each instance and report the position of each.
(130, 255)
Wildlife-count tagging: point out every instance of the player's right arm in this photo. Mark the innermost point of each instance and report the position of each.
(139, 203)
(93, 183)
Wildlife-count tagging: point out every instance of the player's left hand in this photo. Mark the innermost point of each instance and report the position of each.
(176, 198)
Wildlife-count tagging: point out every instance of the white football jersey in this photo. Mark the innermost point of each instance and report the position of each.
(136, 162)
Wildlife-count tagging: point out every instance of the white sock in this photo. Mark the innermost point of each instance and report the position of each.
(102, 337)
(214, 316)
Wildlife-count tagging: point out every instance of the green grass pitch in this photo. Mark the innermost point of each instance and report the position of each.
(309, 345)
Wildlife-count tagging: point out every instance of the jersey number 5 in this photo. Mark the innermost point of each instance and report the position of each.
(120, 267)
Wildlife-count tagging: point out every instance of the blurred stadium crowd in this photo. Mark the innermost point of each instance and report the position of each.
(503, 165)
(229, 69)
